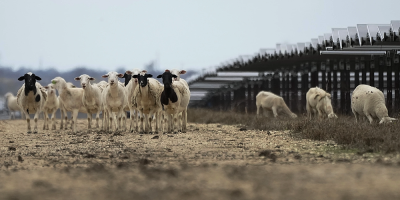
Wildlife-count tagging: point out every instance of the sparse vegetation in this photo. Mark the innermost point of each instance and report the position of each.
(383, 138)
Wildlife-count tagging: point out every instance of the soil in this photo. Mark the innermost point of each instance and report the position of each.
(210, 161)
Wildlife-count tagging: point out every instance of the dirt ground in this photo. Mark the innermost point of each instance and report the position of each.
(210, 161)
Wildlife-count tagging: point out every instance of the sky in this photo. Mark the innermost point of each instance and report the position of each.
(183, 34)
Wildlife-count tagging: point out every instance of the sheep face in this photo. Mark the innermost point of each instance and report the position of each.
(30, 82)
(332, 116)
(134, 72)
(177, 73)
(142, 78)
(113, 77)
(387, 120)
(167, 77)
(50, 89)
(85, 80)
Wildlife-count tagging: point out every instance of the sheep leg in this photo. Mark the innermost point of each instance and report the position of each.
(147, 123)
(131, 115)
(53, 116)
(113, 118)
(28, 121)
(62, 119)
(175, 123)
(275, 111)
(45, 120)
(309, 110)
(123, 122)
(157, 129)
(89, 119)
(35, 118)
(184, 120)
(97, 119)
(369, 118)
(74, 120)
(141, 115)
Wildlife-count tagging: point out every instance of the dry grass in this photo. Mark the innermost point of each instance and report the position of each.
(364, 136)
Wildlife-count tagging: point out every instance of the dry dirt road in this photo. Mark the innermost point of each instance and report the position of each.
(210, 161)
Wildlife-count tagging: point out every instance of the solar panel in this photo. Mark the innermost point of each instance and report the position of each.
(373, 30)
(301, 46)
(395, 25)
(314, 42)
(352, 32)
(343, 33)
(362, 30)
(321, 39)
(384, 29)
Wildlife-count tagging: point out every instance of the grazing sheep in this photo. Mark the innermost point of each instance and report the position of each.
(70, 98)
(30, 98)
(147, 99)
(271, 102)
(130, 89)
(319, 101)
(91, 98)
(11, 102)
(114, 98)
(370, 102)
(51, 105)
(175, 98)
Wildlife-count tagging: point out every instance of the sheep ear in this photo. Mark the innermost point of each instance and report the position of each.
(38, 78)
(149, 75)
(47, 87)
(128, 72)
(105, 76)
(316, 96)
(77, 78)
(159, 76)
(21, 78)
(120, 75)
(167, 70)
(145, 71)
(182, 72)
(91, 78)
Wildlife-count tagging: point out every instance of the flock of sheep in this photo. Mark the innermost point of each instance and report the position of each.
(145, 97)
(366, 101)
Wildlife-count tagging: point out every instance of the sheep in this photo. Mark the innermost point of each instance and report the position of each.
(64, 114)
(30, 98)
(70, 98)
(318, 100)
(147, 100)
(114, 98)
(178, 73)
(269, 101)
(51, 105)
(91, 98)
(370, 102)
(130, 87)
(11, 102)
(175, 98)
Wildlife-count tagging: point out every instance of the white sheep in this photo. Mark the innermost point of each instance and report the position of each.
(175, 98)
(147, 99)
(114, 100)
(319, 101)
(91, 98)
(369, 102)
(30, 98)
(130, 89)
(12, 104)
(64, 113)
(178, 73)
(271, 102)
(70, 98)
(51, 105)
